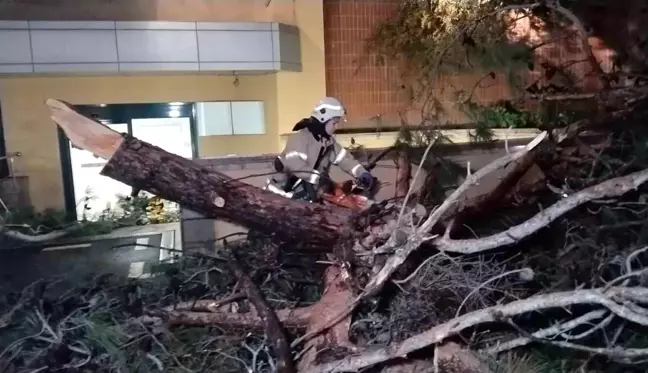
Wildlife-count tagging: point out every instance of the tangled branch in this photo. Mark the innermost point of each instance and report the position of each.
(608, 298)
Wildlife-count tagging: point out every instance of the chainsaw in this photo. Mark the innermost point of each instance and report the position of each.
(351, 195)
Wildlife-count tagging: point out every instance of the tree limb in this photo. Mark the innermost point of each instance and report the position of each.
(204, 305)
(273, 328)
(336, 295)
(297, 318)
(494, 314)
(546, 333)
(610, 188)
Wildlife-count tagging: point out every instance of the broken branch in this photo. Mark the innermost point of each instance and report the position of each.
(36, 238)
(297, 318)
(494, 314)
(273, 329)
(610, 188)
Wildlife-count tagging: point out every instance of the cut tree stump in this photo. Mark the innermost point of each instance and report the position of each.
(213, 194)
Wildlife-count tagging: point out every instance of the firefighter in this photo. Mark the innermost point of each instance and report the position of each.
(302, 167)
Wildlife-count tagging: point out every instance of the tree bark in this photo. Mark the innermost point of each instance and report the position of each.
(213, 194)
(297, 318)
(274, 331)
(333, 341)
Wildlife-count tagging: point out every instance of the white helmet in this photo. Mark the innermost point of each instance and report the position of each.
(327, 109)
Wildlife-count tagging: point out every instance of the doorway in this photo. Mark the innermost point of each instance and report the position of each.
(171, 126)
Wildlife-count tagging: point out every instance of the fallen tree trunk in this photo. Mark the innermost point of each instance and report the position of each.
(213, 194)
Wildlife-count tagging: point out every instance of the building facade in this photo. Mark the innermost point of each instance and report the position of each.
(201, 78)
(260, 64)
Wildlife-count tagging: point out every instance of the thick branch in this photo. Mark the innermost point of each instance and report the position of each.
(297, 318)
(273, 329)
(204, 305)
(493, 314)
(494, 196)
(610, 188)
(548, 332)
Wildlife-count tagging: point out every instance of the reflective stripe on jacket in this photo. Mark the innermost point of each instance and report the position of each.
(302, 151)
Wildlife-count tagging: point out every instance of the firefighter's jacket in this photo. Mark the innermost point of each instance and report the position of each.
(308, 158)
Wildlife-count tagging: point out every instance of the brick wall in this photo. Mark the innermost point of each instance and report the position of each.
(368, 90)
(365, 88)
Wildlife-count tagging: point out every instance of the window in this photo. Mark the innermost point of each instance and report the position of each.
(214, 118)
(230, 118)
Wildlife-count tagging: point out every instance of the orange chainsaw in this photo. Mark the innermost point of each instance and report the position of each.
(352, 196)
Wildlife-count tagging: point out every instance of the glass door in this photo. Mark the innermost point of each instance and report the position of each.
(170, 126)
(170, 134)
(94, 193)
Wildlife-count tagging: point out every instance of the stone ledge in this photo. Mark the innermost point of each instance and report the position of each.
(456, 136)
(381, 140)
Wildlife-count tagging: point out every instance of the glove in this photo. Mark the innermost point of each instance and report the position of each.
(365, 180)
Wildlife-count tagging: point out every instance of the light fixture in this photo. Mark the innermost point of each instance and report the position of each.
(176, 103)
(174, 113)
